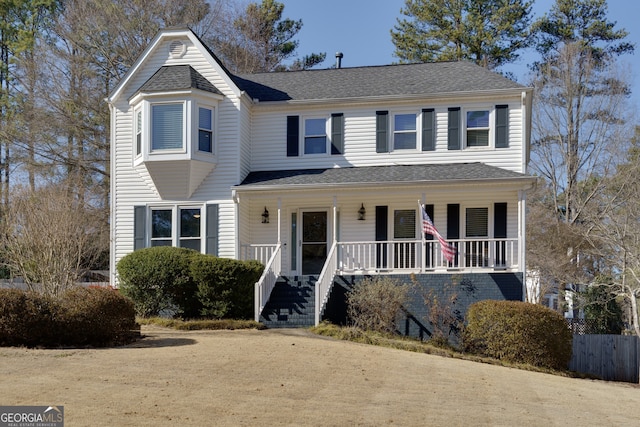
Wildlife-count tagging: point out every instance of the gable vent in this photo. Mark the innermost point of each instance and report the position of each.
(177, 49)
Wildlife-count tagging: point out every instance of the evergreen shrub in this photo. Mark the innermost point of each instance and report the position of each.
(159, 281)
(95, 317)
(225, 286)
(518, 332)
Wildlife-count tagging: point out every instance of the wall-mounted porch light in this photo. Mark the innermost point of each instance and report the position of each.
(265, 216)
(361, 213)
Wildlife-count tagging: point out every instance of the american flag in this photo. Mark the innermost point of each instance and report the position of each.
(448, 250)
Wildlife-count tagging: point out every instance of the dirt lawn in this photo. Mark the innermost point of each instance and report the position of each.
(291, 377)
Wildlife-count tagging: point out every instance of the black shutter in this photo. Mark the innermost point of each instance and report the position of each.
(382, 216)
(382, 124)
(502, 126)
(293, 133)
(453, 140)
(212, 230)
(428, 130)
(139, 227)
(453, 221)
(337, 133)
(500, 220)
(500, 232)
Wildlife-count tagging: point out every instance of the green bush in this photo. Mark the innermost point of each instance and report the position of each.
(158, 280)
(518, 332)
(80, 317)
(225, 286)
(374, 304)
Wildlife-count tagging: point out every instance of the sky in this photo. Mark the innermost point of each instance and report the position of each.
(360, 29)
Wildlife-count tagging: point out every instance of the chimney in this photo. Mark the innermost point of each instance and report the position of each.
(339, 57)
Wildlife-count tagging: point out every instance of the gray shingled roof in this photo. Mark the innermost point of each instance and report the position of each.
(177, 77)
(379, 175)
(388, 80)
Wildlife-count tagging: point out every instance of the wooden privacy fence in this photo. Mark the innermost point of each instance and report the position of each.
(610, 357)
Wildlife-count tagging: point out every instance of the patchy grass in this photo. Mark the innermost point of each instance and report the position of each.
(200, 324)
(415, 345)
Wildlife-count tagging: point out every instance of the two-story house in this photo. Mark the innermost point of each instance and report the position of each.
(321, 173)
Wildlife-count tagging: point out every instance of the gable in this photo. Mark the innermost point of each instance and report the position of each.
(199, 68)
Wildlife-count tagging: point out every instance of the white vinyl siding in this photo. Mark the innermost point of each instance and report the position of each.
(268, 139)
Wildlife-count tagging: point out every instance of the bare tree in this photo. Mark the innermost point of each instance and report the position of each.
(616, 233)
(50, 238)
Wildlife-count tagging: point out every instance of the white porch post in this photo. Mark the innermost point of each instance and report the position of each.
(279, 222)
(521, 240)
(334, 232)
(423, 248)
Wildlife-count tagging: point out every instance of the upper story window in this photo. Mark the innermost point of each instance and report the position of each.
(205, 130)
(315, 136)
(404, 132)
(167, 126)
(478, 128)
(138, 132)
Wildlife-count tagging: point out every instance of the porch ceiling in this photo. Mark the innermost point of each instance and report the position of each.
(453, 173)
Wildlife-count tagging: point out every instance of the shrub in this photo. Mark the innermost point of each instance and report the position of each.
(96, 316)
(518, 332)
(158, 280)
(25, 317)
(79, 317)
(374, 304)
(225, 286)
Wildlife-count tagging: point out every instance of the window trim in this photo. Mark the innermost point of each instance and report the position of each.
(176, 231)
(199, 128)
(138, 131)
(304, 136)
(395, 132)
(183, 148)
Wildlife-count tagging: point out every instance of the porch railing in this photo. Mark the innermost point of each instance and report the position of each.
(419, 256)
(267, 281)
(262, 253)
(325, 281)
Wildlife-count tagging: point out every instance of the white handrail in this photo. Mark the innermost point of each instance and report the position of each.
(325, 280)
(419, 256)
(267, 281)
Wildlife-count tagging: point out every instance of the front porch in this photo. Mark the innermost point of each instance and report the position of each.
(384, 257)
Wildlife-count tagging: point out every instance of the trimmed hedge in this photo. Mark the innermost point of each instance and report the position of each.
(185, 283)
(226, 286)
(96, 317)
(159, 280)
(518, 332)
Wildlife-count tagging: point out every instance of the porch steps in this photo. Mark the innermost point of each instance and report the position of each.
(292, 303)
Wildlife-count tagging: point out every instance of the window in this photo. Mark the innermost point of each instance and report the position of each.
(190, 228)
(163, 228)
(477, 222)
(404, 224)
(315, 136)
(404, 131)
(478, 128)
(138, 132)
(161, 224)
(166, 126)
(205, 130)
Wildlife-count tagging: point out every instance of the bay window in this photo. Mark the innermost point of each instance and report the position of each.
(167, 126)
